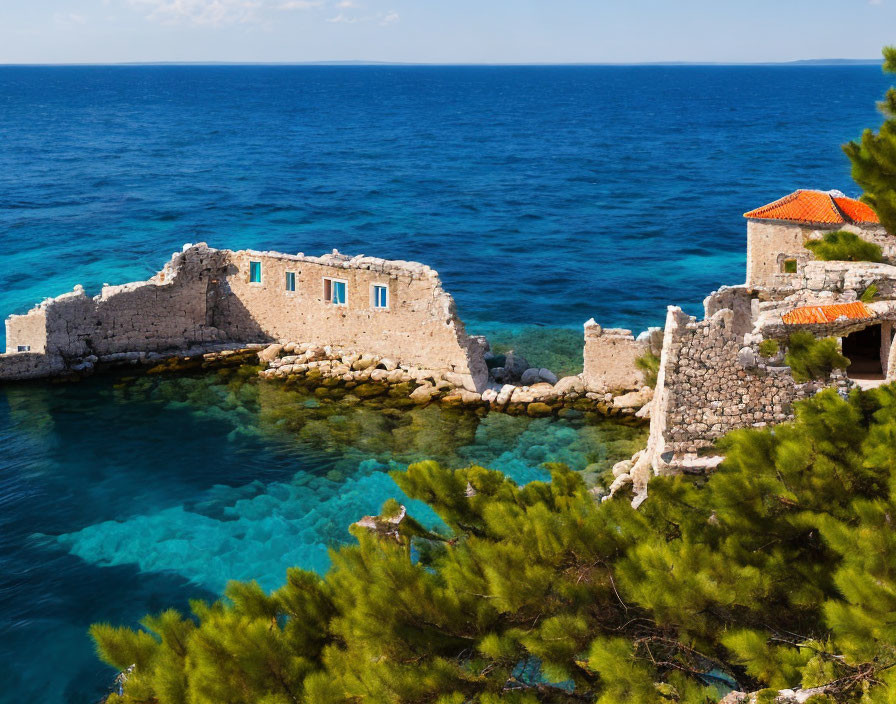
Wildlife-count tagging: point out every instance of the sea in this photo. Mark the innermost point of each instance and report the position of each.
(543, 196)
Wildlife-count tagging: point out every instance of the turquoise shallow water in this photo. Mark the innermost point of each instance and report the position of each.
(122, 497)
(543, 196)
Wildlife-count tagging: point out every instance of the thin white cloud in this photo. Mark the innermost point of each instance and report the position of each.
(381, 18)
(69, 18)
(342, 18)
(227, 12)
(201, 12)
(300, 4)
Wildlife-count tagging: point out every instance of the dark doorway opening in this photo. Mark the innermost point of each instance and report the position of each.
(862, 348)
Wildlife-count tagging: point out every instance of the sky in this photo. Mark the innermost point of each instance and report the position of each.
(443, 31)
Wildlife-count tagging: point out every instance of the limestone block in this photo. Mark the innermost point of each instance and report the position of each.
(569, 384)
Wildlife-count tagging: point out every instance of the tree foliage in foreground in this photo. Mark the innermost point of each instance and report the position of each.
(843, 246)
(811, 358)
(779, 570)
(873, 157)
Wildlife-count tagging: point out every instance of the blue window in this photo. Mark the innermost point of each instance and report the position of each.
(334, 292)
(290, 281)
(254, 272)
(380, 296)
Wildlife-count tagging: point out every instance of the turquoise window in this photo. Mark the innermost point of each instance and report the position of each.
(339, 293)
(255, 272)
(290, 281)
(334, 292)
(380, 296)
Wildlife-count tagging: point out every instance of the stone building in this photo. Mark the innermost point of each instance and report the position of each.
(713, 377)
(777, 233)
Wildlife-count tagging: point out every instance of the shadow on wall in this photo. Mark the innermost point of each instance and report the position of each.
(225, 311)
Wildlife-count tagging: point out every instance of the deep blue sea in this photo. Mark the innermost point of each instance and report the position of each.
(543, 196)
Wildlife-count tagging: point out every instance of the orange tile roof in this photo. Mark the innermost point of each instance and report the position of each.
(808, 315)
(856, 210)
(816, 208)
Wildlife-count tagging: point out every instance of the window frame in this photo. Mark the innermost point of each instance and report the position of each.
(22, 348)
(373, 299)
(788, 261)
(294, 276)
(260, 273)
(328, 299)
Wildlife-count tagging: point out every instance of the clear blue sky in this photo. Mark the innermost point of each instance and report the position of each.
(489, 31)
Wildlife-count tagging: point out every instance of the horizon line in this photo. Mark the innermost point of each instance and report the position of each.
(795, 62)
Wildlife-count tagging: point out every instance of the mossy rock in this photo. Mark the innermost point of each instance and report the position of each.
(537, 409)
(403, 389)
(584, 404)
(369, 390)
(399, 402)
(331, 381)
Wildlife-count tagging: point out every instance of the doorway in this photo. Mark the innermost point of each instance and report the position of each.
(863, 349)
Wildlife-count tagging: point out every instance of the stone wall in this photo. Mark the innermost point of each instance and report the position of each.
(28, 365)
(167, 312)
(203, 296)
(769, 243)
(420, 326)
(610, 355)
(711, 381)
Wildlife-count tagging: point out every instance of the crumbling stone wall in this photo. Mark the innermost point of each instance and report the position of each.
(167, 312)
(27, 331)
(204, 296)
(610, 355)
(711, 382)
(420, 326)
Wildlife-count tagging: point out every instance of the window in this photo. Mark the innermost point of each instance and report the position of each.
(290, 281)
(788, 266)
(254, 272)
(23, 348)
(380, 296)
(334, 291)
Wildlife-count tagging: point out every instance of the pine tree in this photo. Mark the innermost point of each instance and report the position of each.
(874, 156)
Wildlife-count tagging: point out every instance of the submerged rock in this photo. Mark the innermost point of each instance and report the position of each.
(538, 409)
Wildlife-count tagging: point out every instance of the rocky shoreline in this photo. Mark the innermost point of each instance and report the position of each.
(329, 371)
(335, 373)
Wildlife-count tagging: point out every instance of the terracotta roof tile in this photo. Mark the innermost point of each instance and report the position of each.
(809, 315)
(815, 208)
(856, 210)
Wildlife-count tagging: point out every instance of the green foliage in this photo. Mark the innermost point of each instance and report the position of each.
(649, 363)
(769, 348)
(790, 266)
(873, 157)
(810, 358)
(843, 246)
(869, 294)
(775, 571)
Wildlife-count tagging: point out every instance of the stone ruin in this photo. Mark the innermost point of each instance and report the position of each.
(357, 320)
